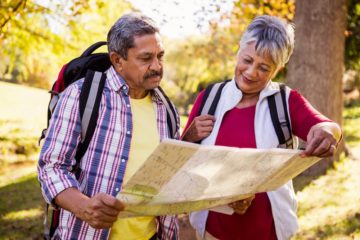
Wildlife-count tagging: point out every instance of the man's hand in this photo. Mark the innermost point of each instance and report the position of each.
(199, 128)
(322, 140)
(100, 211)
(241, 206)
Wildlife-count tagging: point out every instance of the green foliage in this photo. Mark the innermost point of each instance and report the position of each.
(191, 65)
(352, 52)
(38, 37)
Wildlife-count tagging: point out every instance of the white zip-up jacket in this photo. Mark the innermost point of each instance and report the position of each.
(283, 202)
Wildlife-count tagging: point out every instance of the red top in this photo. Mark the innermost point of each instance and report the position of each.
(237, 130)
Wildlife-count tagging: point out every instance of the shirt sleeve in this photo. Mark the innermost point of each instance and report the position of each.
(303, 115)
(195, 110)
(168, 227)
(57, 156)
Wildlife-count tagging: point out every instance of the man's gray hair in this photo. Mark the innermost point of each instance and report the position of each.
(273, 36)
(121, 35)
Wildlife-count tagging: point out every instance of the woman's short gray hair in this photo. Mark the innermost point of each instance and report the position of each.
(273, 36)
(121, 35)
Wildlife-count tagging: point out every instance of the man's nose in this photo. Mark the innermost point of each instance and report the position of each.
(155, 65)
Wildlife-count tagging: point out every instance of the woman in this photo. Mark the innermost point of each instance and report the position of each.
(244, 121)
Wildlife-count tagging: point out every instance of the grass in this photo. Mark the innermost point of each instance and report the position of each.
(352, 123)
(329, 207)
(21, 209)
(23, 116)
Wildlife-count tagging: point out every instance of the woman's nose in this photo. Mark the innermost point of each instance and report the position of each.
(251, 71)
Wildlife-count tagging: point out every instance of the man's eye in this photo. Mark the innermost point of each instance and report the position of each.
(161, 57)
(146, 59)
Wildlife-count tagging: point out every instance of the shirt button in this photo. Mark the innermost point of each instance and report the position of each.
(128, 105)
(123, 160)
(117, 189)
(128, 132)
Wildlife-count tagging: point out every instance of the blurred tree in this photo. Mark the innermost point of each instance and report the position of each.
(352, 49)
(316, 67)
(352, 52)
(37, 37)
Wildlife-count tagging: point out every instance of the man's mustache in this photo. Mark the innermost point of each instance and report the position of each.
(153, 74)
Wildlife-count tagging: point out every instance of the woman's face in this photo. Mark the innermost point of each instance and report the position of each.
(252, 71)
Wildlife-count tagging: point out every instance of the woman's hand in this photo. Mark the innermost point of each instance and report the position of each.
(199, 129)
(322, 140)
(241, 206)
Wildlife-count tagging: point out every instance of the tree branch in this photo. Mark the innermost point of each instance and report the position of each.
(21, 2)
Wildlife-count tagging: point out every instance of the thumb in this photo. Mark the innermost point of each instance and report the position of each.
(112, 202)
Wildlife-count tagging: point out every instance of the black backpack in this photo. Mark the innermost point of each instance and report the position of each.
(277, 105)
(90, 66)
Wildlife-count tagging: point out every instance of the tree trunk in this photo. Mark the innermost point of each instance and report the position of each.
(316, 67)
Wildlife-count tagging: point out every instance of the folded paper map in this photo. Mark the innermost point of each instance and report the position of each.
(180, 177)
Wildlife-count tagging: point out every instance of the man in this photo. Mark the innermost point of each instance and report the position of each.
(131, 122)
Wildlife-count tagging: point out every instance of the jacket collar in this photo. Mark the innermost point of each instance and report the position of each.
(235, 94)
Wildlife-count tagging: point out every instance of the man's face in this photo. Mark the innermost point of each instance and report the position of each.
(143, 68)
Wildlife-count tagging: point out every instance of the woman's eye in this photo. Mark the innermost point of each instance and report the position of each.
(247, 60)
(264, 69)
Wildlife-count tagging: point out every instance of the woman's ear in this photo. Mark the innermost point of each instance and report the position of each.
(279, 69)
(116, 61)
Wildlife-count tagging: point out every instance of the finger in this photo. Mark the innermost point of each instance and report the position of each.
(100, 224)
(111, 212)
(112, 202)
(206, 123)
(331, 152)
(322, 148)
(250, 198)
(240, 212)
(207, 129)
(311, 146)
(104, 217)
(206, 117)
(241, 204)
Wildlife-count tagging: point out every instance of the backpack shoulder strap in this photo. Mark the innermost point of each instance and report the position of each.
(90, 98)
(172, 120)
(89, 103)
(211, 98)
(280, 117)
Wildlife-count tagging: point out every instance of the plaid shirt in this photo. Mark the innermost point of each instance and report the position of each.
(104, 163)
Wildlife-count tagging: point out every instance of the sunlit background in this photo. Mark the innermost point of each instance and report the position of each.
(201, 38)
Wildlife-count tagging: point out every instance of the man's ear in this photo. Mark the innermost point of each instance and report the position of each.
(117, 61)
